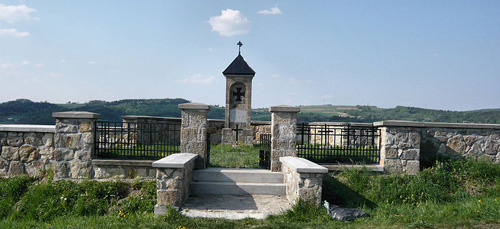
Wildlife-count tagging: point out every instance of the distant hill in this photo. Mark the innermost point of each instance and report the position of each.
(23, 111)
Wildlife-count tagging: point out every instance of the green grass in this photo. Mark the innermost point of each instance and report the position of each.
(453, 193)
(241, 156)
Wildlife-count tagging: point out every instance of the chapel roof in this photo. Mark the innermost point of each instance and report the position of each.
(239, 67)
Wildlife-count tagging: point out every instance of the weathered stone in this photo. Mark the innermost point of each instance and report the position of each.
(88, 137)
(163, 174)
(73, 141)
(393, 166)
(412, 167)
(470, 139)
(15, 139)
(116, 172)
(63, 154)
(442, 149)
(491, 147)
(10, 153)
(34, 168)
(58, 140)
(414, 139)
(169, 197)
(61, 169)
(62, 127)
(475, 150)
(80, 169)
(16, 168)
(86, 126)
(34, 139)
(48, 140)
(456, 145)
(401, 137)
(410, 154)
(28, 153)
(486, 158)
(83, 155)
(47, 152)
(3, 139)
(4, 167)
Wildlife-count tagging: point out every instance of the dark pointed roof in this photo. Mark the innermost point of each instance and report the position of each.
(239, 67)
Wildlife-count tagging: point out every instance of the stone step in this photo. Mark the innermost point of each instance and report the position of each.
(237, 188)
(237, 175)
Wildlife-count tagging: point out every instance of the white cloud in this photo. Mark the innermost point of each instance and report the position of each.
(91, 62)
(12, 14)
(273, 11)
(7, 66)
(13, 32)
(230, 23)
(197, 79)
(56, 75)
(39, 65)
(25, 62)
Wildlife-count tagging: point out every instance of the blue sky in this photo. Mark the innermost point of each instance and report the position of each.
(430, 54)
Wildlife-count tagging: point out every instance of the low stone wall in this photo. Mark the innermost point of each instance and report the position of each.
(122, 169)
(173, 178)
(303, 179)
(26, 149)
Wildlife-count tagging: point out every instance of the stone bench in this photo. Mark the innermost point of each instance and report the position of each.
(303, 179)
(173, 178)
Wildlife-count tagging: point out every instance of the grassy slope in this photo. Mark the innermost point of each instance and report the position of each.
(453, 193)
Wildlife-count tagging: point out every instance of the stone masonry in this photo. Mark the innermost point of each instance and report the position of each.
(400, 149)
(283, 130)
(194, 131)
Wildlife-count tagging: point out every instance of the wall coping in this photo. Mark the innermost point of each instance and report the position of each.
(302, 165)
(398, 123)
(363, 124)
(284, 108)
(76, 115)
(118, 162)
(178, 160)
(28, 128)
(193, 106)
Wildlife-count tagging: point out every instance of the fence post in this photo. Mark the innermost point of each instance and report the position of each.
(194, 131)
(74, 144)
(283, 130)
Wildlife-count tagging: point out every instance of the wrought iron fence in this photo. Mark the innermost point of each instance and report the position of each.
(265, 151)
(342, 143)
(136, 140)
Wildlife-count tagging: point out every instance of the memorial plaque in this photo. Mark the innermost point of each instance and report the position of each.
(238, 115)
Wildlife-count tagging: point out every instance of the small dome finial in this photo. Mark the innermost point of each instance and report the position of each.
(239, 48)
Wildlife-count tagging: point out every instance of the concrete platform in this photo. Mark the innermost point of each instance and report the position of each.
(234, 206)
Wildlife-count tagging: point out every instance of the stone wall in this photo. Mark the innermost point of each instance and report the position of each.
(122, 169)
(400, 149)
(173, 180)
(283, 130)
(26, 149)
(303, 179)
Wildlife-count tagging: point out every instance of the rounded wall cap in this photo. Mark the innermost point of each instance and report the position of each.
(76, 114)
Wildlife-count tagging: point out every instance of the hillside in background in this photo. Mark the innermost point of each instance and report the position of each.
(23, 111)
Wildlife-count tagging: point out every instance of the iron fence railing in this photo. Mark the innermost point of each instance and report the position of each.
(343, 143)
(265, 151)
(136, 140)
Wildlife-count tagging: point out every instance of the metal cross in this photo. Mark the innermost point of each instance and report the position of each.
(239, 48)
(237, 130)
(238, 94)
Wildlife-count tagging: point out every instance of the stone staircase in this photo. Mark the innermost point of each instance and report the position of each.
(236, 193)
(229, 181)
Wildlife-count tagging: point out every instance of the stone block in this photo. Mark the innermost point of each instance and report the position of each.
(63, 154)
(46, 152)
(163, 174)
(83, 155)
(393, 166)
(3, 138)
(61, 169)
(412, 167)
(34, 139)
(414, 139)
(63, 127)
(34, 168)
(491, 147)
(456, 145)
(88, 137)
(16, 168)
(15, 139)
(10, 153)
(169, 197)
(442, 149)
(48, 139)
(410, 154)
(86, 126)
(80, 169)
(28, 153)
(73, 141)
(4, 167)
(391, 152)
(470, 139)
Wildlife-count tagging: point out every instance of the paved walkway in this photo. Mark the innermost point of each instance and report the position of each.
(234, 207)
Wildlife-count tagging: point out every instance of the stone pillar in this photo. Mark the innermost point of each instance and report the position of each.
(194, 131)
(74, 144)
(400, 149)
(283, 131)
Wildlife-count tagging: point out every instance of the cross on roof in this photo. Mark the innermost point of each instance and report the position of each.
(239, 48)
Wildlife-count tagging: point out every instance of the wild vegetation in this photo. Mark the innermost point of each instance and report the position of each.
(23, 111)
(452, 193)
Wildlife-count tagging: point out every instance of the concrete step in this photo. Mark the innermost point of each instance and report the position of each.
(237, 175)
(237, 188)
